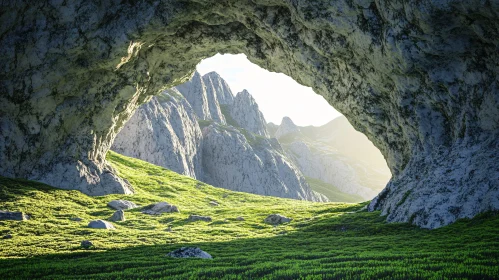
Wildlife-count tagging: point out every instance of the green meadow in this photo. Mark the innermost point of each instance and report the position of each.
(323, 241)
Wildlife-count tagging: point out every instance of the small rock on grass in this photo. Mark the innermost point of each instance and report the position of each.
(239, 218)
(8, 236)
(122, 204)
(194, 218)
(118, 216)
(75, 219)
(16, 216)
(101, 224)
(86, 244)
(276, 219)
(189, 252)
(160, 207)
(213, 203)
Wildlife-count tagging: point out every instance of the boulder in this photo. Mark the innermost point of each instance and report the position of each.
(100, 224)
(189, 252)
(194, 218)
(86, 244)
(239, 218)
(16, 216)
(122, 204)
(276, 219)
(159, 208)
(118, 216)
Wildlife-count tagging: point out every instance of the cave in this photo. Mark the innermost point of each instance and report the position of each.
(418, 78)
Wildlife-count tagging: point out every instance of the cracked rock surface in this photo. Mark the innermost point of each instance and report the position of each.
(418, 78)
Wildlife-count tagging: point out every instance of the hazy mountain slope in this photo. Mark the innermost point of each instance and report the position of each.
(336, 154)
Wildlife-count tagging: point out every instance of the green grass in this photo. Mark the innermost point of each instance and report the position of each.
(324, 240)
(332, 192)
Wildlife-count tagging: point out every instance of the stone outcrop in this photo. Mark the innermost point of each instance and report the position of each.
(218, 87)
(118, 216)
(16, 216)
(419, 78)
(165, 132)
(336, 154)
(277, 219)
(244, 110)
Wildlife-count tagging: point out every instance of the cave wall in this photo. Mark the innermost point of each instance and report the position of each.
(419, 78)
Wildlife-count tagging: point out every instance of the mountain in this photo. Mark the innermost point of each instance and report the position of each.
(201, 130)
(335, 157)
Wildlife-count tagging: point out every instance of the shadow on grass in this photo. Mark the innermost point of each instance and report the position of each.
(348, 246)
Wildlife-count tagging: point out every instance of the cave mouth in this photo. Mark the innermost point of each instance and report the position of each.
(419, 80)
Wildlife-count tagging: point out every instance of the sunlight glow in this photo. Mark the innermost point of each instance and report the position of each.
(277, 95)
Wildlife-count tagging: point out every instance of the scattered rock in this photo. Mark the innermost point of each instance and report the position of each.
(276, 219)
(169, 229)
(122, 204)
(86, 244)
(189, 252)
(194, 218)
(213, 203)
(17, 216)
(76, 219)
(8, 236)
(225, 195)
(118, 216)
(160, 207)
(239, 218)
(100, 224)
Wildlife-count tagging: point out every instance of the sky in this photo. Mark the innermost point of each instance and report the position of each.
(277, 95)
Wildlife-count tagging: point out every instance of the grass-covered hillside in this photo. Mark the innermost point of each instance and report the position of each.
(324, 241)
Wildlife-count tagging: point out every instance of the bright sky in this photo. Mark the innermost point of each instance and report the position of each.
(277, 95)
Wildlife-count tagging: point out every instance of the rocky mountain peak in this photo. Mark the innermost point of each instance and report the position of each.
(245, 112)
(218, 87)
(287, 127)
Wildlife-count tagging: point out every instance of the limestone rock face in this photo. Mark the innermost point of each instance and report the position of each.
(245, 112)
(254, 165)
(164, 132)
(202, 98)
(419, 78)
(287, 127)
(216, 86)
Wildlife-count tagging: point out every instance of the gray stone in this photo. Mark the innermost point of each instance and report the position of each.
(17, 216)
(276, 219)
(189, 252)
(100, 224)
(76, 219)
(214, 203)
(118, 216)
(159, 208)
(8, 236)
(194, 218)
(239, 218)
(86, 244)
(419, 81)
(122, 204)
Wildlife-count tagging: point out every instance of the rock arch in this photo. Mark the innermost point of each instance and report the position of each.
(419, 78)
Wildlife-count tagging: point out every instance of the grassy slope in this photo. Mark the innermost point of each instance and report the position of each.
(323, 241)
(333, 193)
